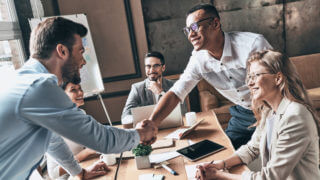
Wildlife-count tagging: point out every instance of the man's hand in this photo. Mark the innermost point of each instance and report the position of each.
(97, 169)
(155, 86)
(148, 131)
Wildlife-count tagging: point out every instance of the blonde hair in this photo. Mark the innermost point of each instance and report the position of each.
(291, 86)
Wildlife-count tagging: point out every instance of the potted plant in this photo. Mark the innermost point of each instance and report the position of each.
(141, 153)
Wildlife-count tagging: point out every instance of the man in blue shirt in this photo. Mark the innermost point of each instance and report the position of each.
(33, 106)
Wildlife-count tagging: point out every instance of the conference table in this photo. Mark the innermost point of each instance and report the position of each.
(208, 129)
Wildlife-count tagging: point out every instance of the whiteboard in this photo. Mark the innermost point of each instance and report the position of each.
(91, 80)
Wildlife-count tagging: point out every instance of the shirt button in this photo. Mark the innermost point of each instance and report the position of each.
(238, 90)
(230, 77)
(221, 64)
(242, 100)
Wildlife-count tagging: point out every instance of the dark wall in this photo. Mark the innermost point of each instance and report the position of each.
(290, 26)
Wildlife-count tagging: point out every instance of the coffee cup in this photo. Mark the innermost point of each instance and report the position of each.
(109, 159)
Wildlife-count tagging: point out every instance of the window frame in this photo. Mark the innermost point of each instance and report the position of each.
(10, 30)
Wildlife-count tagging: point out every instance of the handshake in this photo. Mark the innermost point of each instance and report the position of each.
(147, 130)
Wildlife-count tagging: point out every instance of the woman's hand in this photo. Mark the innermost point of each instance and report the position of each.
(207, 171)
(220, 164)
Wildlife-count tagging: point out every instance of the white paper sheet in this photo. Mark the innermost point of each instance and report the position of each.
(176, 134)
(158, 158)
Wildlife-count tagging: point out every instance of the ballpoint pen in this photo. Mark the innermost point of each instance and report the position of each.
(169, 169)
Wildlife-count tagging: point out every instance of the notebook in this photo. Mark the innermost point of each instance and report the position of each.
(174, 119)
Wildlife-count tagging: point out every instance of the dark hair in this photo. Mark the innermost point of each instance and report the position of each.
(208, 9)
(51, 32)
(64, 84)
(157, 55)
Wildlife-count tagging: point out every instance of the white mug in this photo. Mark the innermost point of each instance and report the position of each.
(109, 159)
(191, 118)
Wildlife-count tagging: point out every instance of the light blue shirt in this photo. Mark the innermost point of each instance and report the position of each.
(32, 106)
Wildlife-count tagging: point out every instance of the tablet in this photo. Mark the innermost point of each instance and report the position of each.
(200, 150)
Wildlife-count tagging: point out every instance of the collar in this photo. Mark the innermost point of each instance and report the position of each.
(225, 53)
(283, 106)
(227, 46)
(38, 67)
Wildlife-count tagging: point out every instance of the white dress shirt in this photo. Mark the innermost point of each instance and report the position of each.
(228, 74)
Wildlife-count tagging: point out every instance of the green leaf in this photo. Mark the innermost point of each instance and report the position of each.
(142, 150)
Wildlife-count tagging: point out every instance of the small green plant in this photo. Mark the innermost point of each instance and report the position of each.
(142, 150)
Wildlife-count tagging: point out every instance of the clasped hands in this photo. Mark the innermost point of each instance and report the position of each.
(148, 131)
(209, 170)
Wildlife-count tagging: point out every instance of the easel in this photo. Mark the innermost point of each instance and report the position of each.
(105, 109)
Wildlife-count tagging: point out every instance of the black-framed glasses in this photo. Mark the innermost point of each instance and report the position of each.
(194, 26)
(253, 77)
(155, 66)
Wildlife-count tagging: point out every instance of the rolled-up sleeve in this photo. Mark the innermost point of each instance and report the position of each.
(54, 110)
(188, 80)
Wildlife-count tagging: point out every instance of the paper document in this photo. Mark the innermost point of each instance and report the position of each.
(158, 158)
(180, 133)
(151, 177)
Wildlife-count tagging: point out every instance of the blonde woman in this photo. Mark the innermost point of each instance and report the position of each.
(287, 133)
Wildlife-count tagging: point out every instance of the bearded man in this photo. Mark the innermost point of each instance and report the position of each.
(35, 110)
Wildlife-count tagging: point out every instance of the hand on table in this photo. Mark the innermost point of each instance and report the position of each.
(208, 170)
(148, 131)
(97, 169)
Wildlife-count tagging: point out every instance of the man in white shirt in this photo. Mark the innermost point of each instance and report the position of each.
(219, 58)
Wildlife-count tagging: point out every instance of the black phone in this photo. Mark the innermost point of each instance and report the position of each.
(200, 150)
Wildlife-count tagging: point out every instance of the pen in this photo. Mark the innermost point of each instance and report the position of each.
(169, 169)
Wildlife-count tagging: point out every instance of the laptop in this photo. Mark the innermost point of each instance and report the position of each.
(174, 119)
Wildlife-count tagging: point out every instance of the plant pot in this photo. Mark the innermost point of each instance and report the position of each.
(142, 162)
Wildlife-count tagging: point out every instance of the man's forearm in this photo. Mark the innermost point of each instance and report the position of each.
(164, 107)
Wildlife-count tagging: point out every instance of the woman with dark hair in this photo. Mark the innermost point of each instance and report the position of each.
(287, 128)
(80, 152)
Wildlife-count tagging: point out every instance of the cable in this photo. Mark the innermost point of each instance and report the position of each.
(120, 158)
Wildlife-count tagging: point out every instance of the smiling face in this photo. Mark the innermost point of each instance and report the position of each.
(71, 69)
(75, 93)
(154, 68)
(200, 40)
(263, 86)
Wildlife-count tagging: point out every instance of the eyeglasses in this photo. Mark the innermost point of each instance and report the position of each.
(253, 77)
(155, 66)
(194, 26)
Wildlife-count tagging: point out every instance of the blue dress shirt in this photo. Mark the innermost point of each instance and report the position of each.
(32, 107)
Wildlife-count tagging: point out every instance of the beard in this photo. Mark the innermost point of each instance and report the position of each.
(154, 78)
(70, 72)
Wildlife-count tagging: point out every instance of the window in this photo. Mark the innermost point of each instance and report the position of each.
(12, 54)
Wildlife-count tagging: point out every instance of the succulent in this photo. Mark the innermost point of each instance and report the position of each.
(142, 150)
